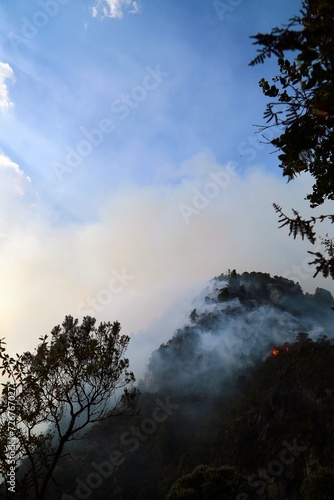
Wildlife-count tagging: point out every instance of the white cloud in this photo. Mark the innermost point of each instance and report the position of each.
(14, 184)
(13, 180)
(114, 8)
(6, 73)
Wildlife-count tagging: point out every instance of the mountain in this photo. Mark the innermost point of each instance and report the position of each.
(238, 404)
(236, 321)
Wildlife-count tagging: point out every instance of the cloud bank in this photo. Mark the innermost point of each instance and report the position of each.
(149, 252)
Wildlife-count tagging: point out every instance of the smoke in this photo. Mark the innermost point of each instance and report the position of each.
(231, 328)
(145, 254)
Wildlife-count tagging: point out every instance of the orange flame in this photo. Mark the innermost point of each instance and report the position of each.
(276, 350)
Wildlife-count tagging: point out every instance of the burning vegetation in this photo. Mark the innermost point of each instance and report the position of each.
(276, 350)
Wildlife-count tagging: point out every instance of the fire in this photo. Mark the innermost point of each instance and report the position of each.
(276, 350)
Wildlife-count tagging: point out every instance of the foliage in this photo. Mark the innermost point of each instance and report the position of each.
(193, 316)
(305, 228)
(234, 420)
(302, 108)
(319, 484)
(285, 398)
(210, 483)
(77, 377)
(288, 397)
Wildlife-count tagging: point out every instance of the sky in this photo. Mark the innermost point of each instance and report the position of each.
(131, 170)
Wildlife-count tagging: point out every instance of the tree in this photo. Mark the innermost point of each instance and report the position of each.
(303, 338)
(319, 484)
(52, 397)
(211, 483)
(193, 316)
(302, 108)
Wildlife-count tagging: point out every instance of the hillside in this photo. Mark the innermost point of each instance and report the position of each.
(246, 388)
(236, 321)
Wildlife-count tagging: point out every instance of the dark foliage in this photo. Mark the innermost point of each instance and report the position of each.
(226, 429)
(302, 109)
(77, 377)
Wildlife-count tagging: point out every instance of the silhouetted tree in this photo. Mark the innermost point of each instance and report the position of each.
(211, 483)
(303, 337)
(77, 377)
(193, 316)
(302, 108)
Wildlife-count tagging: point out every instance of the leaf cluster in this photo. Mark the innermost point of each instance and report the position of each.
(305, 229)
(76, 377)
(303, 108)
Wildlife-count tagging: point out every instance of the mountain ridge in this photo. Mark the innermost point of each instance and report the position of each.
(238, 404)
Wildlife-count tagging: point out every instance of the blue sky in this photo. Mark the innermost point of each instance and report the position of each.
(71, 71)
(128, 148)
